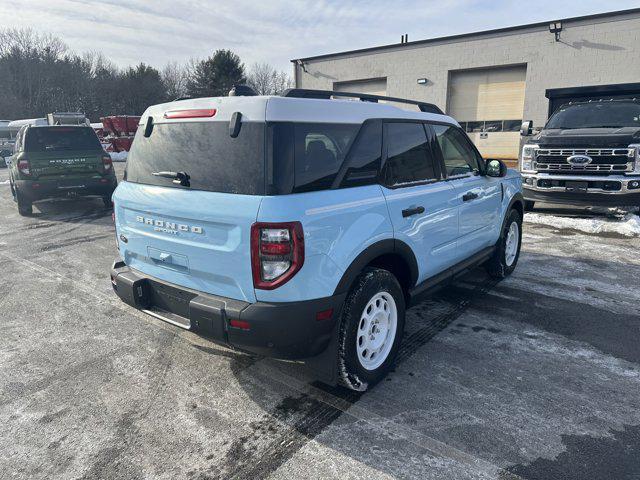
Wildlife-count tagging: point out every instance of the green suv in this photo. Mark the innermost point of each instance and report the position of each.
(55, 161)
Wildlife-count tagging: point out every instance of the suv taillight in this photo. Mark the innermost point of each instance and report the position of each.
(277, 253)
(107, 163)
(23, 166)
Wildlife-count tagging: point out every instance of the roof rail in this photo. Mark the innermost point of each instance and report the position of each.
(364, 97)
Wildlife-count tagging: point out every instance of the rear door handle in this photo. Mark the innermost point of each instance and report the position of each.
(469, 196)
(407, 212)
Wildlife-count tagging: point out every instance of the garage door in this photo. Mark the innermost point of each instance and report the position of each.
(374, 86)
(489, 104)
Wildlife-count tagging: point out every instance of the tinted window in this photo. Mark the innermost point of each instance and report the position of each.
(593, 115)
(320, 150)
(409, 157)
(511, 125)
(459, 156)
(364, 156)
(54, 139)
(205, 151)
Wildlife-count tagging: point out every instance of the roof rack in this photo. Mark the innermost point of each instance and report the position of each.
(364, 97)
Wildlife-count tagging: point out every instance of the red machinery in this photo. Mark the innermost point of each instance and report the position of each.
(119, 131)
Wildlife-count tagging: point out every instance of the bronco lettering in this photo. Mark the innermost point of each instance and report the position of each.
(168, 227)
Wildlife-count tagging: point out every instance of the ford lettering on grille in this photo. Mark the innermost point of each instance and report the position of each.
(166, 226)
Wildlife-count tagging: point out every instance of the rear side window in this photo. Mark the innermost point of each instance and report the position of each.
(409, 157)
(56, 139)
(320, 150)
(364, 156)
(213, 160)
(459, 156)
(308, 156)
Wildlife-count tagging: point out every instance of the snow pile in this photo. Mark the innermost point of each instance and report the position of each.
(119, 156)
(628, 225)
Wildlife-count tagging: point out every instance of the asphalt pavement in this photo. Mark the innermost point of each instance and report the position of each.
(533, 377)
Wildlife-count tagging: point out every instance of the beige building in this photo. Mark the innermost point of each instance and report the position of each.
(490, 81)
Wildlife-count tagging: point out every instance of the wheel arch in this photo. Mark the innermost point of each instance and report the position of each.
(517, 203)
(390, 254)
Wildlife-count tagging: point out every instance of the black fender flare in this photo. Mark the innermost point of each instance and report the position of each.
(373, 251)
(517, 198)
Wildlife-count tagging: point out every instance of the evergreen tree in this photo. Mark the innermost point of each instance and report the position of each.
(215, 76)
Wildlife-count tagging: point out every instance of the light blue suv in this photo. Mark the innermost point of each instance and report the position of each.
(304, 225)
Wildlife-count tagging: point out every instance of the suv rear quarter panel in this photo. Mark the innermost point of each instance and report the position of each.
(338, 225)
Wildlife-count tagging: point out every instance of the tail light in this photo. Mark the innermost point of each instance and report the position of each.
(277, 253)
(23, 166)
(107, 163)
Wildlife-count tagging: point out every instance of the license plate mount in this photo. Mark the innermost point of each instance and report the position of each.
(576, 186)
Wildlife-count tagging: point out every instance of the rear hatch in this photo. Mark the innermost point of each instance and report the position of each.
(194, 233)
(63, 151)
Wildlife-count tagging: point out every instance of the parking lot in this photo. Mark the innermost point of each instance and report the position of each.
(534, 377)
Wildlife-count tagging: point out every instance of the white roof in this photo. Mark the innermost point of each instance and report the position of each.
(284, 109)
(28, 121)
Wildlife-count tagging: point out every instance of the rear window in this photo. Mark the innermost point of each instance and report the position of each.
(213, 160)
(55, 139)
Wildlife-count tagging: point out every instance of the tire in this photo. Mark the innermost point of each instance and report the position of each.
(25, 207)
(372, 318)
(528, 205)
(505, 258)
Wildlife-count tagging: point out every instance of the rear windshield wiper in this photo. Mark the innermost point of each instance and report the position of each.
(179, 178)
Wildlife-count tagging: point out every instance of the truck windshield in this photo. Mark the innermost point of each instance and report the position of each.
(54, 139)
(596, 115)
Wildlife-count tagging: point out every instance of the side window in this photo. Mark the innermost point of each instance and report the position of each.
(459, 156)
(409, 157)
(364, 157)
(319, 152)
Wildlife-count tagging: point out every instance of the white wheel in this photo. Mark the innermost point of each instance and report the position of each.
(511, 245)
(377, 330)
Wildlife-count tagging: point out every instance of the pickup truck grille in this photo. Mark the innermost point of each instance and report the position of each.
(604, 160)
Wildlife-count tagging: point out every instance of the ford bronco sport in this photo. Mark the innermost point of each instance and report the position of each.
(59, 160)
(588, 153)
(301, 225)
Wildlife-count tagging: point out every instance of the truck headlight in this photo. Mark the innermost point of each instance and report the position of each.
(527, 158)
(636, 157)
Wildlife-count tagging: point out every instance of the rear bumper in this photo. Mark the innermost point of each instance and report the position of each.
(35, 190)
(281, 330)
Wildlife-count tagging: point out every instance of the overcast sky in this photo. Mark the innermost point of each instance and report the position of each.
(275, 31)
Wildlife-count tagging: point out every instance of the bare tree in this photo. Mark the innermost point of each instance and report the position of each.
(266, 80)
(175, 77)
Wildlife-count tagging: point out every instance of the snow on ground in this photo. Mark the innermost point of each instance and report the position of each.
(5, 182)
(628, 225)
(119, 156)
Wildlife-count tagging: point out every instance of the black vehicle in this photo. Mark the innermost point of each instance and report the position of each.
(588, 153)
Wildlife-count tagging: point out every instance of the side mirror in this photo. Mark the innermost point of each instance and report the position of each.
(496, 168)
(526, 128)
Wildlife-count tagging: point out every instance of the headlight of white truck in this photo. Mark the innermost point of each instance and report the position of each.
(636, 157)
(527, 158)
